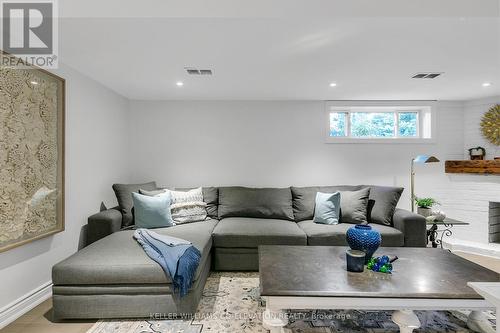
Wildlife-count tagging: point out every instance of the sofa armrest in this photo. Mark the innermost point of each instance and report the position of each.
(413, 226)
(103, 223)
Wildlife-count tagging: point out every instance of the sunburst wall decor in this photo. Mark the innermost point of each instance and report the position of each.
(490, 125)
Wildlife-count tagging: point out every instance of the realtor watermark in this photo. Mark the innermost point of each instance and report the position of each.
(29, 33)
(255, 316)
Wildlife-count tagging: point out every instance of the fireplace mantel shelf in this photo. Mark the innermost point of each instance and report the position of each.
(482, 167)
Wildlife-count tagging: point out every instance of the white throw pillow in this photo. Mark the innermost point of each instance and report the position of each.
(188, 206)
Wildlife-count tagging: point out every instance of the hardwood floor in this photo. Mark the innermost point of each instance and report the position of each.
(485, 261)
(38, 320)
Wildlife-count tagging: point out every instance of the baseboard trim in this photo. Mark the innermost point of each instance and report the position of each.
(16, 309)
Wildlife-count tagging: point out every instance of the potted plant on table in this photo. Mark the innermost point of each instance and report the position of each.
(424, 205)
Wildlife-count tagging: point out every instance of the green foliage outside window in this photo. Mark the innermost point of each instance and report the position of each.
(374, 124)
(338, 124)
(408, 124)
(368, 124)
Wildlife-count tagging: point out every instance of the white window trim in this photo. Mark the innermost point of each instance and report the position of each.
(396, 106)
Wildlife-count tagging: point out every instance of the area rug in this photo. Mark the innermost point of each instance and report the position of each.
(231, 303)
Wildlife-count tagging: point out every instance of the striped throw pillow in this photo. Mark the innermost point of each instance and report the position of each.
(188, 206)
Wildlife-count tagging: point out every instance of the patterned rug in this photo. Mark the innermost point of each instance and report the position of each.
(231, 303)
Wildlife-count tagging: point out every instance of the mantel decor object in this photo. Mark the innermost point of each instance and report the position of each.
(490, 125)
(477, 153)
(31, 154)
(363, 237)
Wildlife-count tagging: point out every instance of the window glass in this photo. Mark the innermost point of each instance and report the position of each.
(338, 124)
(372, 124)
(407, 122)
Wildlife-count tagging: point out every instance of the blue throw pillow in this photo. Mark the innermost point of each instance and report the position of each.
(152, 212)
(327, 209)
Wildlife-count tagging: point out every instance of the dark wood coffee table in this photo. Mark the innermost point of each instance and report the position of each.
(315, 277)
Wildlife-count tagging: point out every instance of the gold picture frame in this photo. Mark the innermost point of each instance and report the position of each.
(32, 138)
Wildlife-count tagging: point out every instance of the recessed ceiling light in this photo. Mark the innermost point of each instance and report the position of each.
(486, 84)
(179, 83)
(333, 84)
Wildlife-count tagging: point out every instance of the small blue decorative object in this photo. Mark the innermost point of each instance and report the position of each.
(381, 264)
(363, 238)
(384, 260)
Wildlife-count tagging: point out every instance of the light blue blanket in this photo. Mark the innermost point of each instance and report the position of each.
(177, 257)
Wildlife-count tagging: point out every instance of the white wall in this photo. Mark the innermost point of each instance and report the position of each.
(96, 156)
(273, 144)
(253, 143)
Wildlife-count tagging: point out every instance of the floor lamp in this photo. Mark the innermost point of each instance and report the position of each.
(420, 159)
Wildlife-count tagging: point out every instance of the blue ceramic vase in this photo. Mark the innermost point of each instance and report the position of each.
(363, 238)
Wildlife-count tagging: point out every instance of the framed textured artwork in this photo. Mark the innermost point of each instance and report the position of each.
(31, 154)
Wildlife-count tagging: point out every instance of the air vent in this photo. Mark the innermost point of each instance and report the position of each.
(426, 75)
(193, 71)
(196, 71)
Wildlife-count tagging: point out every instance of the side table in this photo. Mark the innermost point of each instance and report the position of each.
(440, 229)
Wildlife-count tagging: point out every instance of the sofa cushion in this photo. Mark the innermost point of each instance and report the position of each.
(119, 259)
(153, 193)
(304, 197)
(152, 212)
(210, 197)
(270, 203)
(188, 206)
(354, 206)
(327, 208)
(334, 235)
(382, 203)
(123, 194)
(244, 232)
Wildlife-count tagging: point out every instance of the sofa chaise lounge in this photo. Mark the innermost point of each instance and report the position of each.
(113, 278)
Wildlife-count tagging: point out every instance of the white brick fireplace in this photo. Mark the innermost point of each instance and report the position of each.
(468, 197)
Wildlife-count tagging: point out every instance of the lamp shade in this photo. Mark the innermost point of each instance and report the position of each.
(423, 159)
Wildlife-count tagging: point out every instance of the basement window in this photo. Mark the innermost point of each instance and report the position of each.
(379, 122)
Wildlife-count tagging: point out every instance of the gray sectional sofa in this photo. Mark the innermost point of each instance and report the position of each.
(113, 278)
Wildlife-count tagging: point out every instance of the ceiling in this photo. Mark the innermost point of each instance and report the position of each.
(273, 53)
